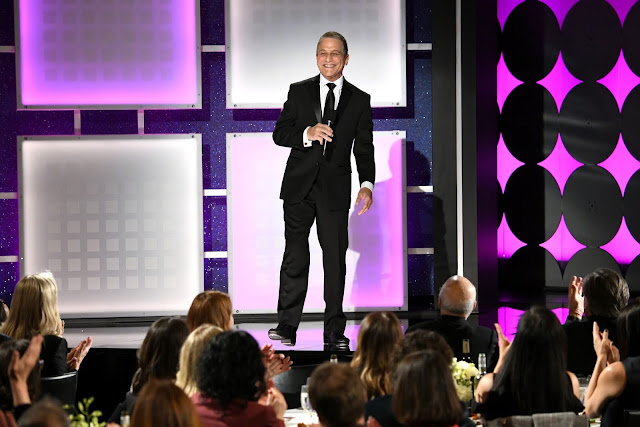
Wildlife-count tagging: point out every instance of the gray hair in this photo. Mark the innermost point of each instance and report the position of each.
(462, 307)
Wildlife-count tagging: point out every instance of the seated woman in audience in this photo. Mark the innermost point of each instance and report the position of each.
(231, 378)
(162, 403)
(378, 411)
(158, 358)
(616, 387)
(34, 311)
(379, 334)
(423, 391)
(531, 376)
(212, 307)
(191, 350)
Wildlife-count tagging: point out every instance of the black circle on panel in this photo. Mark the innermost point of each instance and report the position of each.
(529, 123)
(630, 122)
(630, 37)
(592, 205)
(530, 269)
(499, 33)
(532, 204)
(632, 205)
(591, 39)
(587, 260)
(531, 41)
(590, 123)
(633, 276)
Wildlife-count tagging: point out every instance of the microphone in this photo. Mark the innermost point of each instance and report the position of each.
(330, 117)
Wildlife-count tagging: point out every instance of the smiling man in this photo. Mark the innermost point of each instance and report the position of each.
(324, 119)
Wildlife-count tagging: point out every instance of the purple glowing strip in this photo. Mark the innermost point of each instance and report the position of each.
(508, 319)
(104, 54)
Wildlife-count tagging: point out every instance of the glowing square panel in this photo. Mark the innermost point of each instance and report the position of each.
(108, 54)
(376, 258)
(272, 43)
(99, 273)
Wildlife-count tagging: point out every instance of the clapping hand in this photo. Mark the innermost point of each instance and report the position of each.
(604, 348)
(77, 353)
(503, 345)
(275, 363)
(576, 299)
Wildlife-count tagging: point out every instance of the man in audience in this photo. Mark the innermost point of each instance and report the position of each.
(456, 301)
(601, 296)
(337, 395)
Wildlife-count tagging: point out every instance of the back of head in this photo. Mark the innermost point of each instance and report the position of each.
(34, 308)
(159, 353)
(44, 413)
(379, 334)
(540, 346)
(421, 340)
(423, 391)
(33, 381)
(213, 307)
(337, 395)
(457, 297)
(606, 293)
(162, 403)
(190, 353)
(231, 367)
(628, 326)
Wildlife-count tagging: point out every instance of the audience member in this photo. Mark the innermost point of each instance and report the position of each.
(606, 293)
(190, 353)
(379, 410)
(35, 312)
(231, 377)
(44, 413)
(379, 334)
(158, 358)
(423, 391)
(162, 403)
(337, 395)
(456, 301)
(616, 387)
(4, 311)
(212, 307)
(531, 375)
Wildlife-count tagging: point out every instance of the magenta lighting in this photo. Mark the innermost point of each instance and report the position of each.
(109, 55)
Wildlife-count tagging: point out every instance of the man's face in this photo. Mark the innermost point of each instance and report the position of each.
(331, 59)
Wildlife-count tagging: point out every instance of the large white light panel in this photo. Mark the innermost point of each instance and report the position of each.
(272, 43)
(117, 219)
(376, 258)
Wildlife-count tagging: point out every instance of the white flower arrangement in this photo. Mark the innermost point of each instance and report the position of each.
(463, 374)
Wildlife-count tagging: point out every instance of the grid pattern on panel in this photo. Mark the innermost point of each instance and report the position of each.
(75, 52)
(568, 91)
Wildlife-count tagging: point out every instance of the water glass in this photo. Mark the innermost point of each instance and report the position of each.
(304, 399)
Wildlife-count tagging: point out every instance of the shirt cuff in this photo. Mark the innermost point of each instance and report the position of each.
(367, 184)
(306, 142)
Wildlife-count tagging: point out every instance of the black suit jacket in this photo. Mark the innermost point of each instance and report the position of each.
(581, 357)
(54, 355)
(454, 329)
(353, 130)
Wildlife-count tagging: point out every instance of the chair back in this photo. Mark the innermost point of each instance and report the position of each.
(290, 382)
(631, 418)
(62, 387)
(566, 419)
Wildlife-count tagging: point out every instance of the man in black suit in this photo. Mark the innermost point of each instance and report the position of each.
(324, 119)
(606, 293)
(456, 301)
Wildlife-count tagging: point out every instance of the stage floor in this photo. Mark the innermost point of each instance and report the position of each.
(309, 336)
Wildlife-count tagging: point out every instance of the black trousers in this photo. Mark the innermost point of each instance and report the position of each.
(294, 273)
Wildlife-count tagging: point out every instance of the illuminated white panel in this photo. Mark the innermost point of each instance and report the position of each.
(272, 43)
(113, 217)
(376, 261)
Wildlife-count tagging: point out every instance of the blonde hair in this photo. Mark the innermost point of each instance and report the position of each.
(34, 308)
(213, 307)
(380, 333)
(191, 350)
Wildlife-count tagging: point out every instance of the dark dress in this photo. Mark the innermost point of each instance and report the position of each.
(54, 356)
(503, 405)
(380, 409)
(581, 357)
(613, 413)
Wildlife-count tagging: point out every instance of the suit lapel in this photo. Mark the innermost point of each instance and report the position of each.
(344, 100)
(314, 93)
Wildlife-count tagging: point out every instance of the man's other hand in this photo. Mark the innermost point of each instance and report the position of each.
(366, 196)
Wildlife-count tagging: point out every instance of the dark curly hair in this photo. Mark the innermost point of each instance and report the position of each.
(159, 353)
(231, 367)
(33, 381)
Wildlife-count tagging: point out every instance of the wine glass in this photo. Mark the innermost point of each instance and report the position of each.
(304, 399)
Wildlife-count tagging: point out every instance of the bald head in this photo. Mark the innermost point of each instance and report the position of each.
(457, 297)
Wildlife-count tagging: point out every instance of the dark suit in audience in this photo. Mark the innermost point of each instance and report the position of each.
(580, 355)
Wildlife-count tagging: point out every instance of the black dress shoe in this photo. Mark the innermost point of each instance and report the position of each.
(335, 338)
(284, 333)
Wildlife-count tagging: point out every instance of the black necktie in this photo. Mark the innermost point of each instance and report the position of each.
(329, 103)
